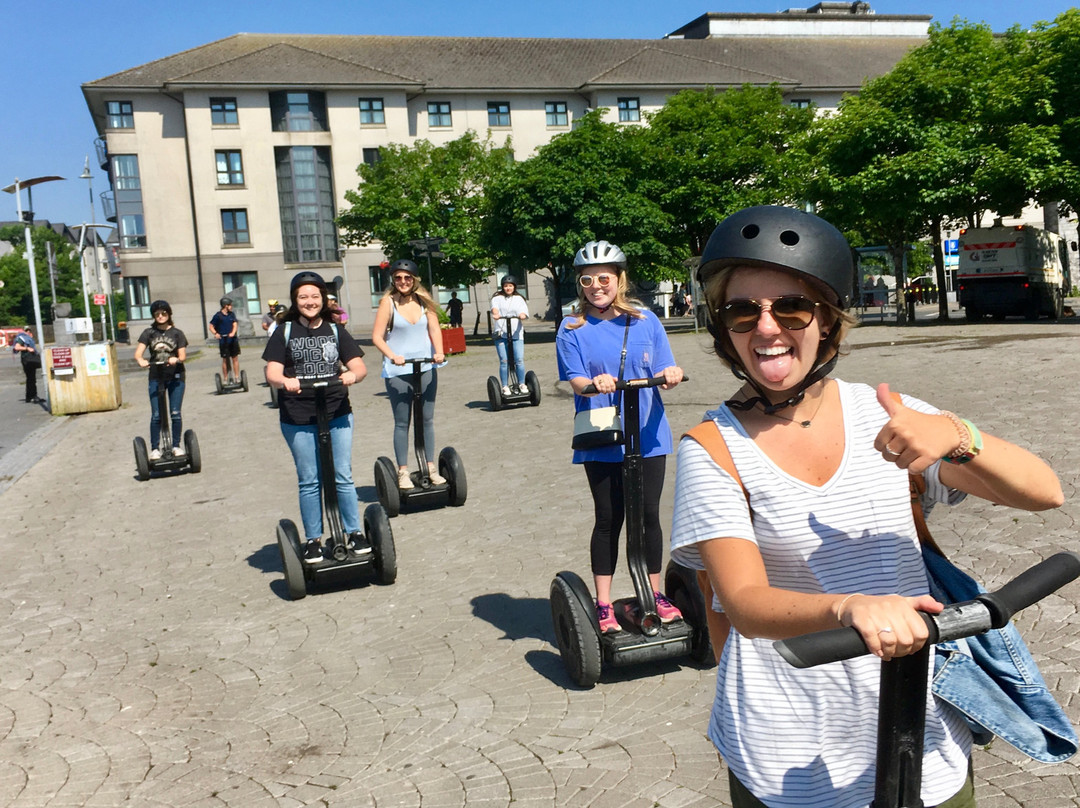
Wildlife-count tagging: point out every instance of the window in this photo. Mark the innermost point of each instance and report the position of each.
(800, 103)
(230, 168)
(439, 114)
(306, 203)
(378, 280)
(234, 226)
(556, 113)
(137, 297)
(372, 156)
(498, 113)
(223, 111)
(241, 287)
(629, 109)
(371, 112)
(132, 231)
(462, 293)
(298, 111)
(121, 115)
(125, 172)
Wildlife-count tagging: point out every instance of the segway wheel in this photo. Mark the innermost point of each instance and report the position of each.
(386, 486)
(451, 467)
(243, 380)
(533, 383)
(142, 460)
(218, 385)
(289, 545)
(681, 586)
(576, 631)
(191, 445)
(381, 537)
(494, 394)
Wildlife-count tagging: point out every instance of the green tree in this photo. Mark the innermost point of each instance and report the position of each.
(16, 299)
(941, 138)
(427, 190)
(585, 184)
(711, 153)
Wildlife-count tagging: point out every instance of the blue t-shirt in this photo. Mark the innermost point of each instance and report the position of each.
(595, 348)
(223, 323)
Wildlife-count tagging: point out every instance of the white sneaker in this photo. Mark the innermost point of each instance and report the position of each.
(435, 477)
(155, 454)
(404, 481)
(506, 390)
(178, 451)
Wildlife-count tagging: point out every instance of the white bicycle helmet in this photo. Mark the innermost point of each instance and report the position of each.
(600, 252)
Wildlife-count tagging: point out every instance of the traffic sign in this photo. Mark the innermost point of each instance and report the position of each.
(99, 300)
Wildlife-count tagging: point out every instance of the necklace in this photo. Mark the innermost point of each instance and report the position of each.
(600, 310)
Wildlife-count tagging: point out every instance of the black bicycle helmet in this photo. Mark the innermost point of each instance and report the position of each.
(305, 278)
(225, 301)
(509, 279)
(781, 238)
(406, 265)
(776, 237)
(160, 305)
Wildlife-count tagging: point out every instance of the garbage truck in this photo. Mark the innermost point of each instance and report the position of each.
(1012, 271)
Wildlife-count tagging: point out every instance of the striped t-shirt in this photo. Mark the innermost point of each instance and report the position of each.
(807, 738)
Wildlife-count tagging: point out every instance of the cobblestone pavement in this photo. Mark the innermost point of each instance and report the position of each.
(151, 656)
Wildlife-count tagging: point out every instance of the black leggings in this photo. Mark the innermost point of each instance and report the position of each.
(606, 483)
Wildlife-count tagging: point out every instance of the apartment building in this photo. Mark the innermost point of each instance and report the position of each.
(229, 162)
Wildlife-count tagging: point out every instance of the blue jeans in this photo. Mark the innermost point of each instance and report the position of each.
(175, 390)
(303, 443)
(519, 359)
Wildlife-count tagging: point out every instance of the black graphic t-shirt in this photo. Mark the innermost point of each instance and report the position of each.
(160, 345)
(312, 354)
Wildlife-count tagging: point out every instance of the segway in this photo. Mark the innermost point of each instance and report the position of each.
(527, 392)
(144, 464)
(643, 637)
(902, 700)
(232, 384)
(452, 492)
(375, 551)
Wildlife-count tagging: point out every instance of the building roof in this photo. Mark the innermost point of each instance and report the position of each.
(463, 64)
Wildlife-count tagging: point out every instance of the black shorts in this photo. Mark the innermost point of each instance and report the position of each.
(229, 347)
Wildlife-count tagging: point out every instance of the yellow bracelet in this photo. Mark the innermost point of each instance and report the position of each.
(840, 606)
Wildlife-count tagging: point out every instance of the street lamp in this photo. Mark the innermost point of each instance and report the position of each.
(28, 219)
(86, 175)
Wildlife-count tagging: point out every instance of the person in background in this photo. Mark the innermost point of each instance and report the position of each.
(268, 318)
(30, 358)
(509, 303)
(454, 308)
(338, 314)
(407, 327)
(589, 347)
(167, 346)
(224, 327)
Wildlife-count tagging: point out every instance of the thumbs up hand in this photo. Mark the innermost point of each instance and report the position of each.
(913, 440)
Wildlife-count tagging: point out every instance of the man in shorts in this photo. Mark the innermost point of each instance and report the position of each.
(223, 326)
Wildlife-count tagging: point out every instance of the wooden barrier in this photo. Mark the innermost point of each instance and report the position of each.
(83, 378)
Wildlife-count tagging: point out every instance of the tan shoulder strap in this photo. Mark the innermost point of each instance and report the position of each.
(707, 433)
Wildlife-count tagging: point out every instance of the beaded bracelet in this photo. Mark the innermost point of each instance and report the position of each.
(976, 444)
(962, 431)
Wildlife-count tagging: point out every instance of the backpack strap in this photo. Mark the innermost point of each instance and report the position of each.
(707, 433)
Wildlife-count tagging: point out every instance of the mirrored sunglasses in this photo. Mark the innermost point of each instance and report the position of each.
(793, 312)
(400, 278)
(602, 280)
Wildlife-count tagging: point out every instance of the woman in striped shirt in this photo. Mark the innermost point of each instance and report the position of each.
(817, 531)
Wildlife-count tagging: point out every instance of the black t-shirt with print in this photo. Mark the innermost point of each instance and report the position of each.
(160, 345)
(312, 354)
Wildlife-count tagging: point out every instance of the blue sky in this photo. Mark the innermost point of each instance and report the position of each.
(51, 48)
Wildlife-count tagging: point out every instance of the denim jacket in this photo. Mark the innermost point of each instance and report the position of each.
(993, 681)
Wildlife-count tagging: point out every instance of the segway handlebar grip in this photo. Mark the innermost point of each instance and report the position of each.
(421, 361)
(1031, 586)
(626, 384)
(834, 645)
(311, 384)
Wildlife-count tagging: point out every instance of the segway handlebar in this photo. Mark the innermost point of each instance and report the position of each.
(627, 384)
(311, 384)
(959, 620)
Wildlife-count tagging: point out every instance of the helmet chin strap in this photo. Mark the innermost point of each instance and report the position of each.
(812, 378)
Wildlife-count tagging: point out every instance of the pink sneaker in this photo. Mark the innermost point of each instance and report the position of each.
(666, 609)
(605, 615)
